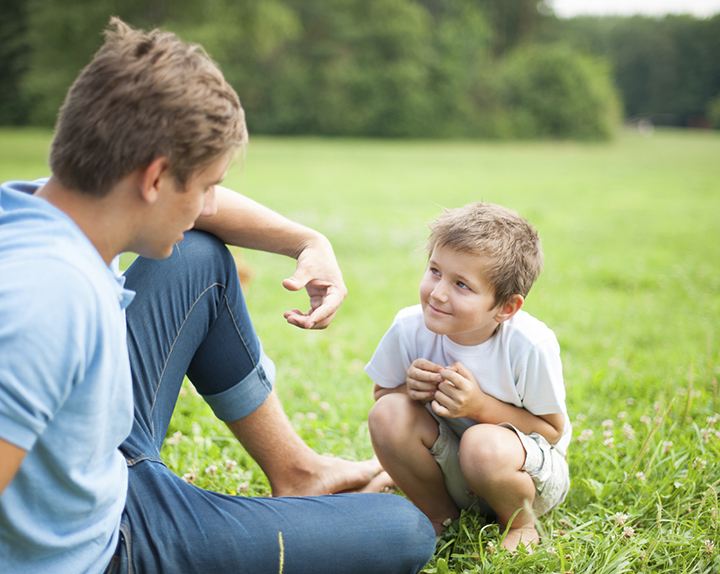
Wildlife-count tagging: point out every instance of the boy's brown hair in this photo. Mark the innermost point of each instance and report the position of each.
(144, 95)
(510, 246)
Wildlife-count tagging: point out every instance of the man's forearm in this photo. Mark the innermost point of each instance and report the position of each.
(246, 223)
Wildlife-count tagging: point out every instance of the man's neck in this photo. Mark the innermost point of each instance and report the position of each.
(95, 216)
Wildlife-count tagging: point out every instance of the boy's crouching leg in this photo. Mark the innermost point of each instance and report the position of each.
(403, 433)
(491, 458)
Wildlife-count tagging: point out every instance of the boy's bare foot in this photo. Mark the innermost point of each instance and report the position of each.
(378, 483)
(526, 535)
(330, 475)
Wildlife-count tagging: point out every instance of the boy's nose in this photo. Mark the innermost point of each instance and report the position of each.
(440, 292)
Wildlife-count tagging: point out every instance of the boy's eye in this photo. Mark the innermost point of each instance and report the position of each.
(462, 285)
(434, 271)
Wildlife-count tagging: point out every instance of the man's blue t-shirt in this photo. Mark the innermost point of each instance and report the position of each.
(65, 390)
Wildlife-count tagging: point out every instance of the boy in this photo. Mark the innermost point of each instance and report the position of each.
(91, 365)
(470, 404)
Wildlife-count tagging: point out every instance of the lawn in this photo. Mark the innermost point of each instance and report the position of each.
(631, 286)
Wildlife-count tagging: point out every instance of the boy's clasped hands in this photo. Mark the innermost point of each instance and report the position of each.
(452, 391)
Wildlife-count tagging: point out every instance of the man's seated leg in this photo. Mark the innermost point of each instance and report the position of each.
(172, 526)
(189, 316)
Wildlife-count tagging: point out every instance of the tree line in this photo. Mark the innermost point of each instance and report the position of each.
(389, 68)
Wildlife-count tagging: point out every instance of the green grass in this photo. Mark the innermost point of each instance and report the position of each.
(631, 232)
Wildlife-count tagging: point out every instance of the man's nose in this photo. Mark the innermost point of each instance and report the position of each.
(209, 204)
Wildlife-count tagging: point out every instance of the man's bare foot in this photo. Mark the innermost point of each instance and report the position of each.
(330, 475)
(526, 535)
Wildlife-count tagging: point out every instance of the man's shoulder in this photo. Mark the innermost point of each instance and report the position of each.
(36, 237)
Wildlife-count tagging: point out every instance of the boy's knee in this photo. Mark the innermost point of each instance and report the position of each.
(389, 415)
(491, 447)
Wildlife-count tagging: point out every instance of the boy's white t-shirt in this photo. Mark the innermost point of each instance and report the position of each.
(520, 364)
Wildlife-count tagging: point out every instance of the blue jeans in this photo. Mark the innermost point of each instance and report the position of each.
(189, 317)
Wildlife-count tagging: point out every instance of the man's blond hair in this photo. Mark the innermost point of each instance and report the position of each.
(144, 95)
(509, 245)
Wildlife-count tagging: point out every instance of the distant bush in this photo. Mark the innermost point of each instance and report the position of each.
(713, 112)
(359, 68)
(551, 91)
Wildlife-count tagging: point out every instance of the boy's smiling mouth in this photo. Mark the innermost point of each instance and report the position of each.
(438, 311)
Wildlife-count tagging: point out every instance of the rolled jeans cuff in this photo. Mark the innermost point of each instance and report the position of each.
(242, 399)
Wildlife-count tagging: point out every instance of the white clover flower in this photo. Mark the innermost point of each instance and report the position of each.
(622, 416)
(585, 435)
(709, 546)
(211, 470)
(607, 424)
(551, 550)
(190, 477)
(699, 464)
(629, 432)
(175, 438)
(324, 406)
(646, 420)
(311, 416)
(243, 486)
(640, 476)
(619, 518)
(628, 531)
(199, 439)
(667, 446)
(230, 465)
(609, 442)
(314, 397)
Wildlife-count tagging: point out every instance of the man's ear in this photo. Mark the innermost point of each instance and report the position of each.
(151, 178)
(510, 308)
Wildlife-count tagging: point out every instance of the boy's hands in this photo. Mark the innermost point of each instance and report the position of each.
(458, 395)
(422, 380)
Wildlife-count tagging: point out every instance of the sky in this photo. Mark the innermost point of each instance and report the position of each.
(699, 8)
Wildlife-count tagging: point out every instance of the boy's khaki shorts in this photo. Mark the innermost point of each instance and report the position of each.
(547, 468)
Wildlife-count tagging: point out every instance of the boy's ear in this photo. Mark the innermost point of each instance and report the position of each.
(152, 177)
(510, 308)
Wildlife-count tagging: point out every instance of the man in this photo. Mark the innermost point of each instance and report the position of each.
(145, 136)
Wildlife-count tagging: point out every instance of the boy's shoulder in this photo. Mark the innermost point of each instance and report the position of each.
(526, 330)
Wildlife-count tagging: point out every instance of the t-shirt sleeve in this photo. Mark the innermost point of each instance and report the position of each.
(540, 379)
(45, 323)
(392, 358)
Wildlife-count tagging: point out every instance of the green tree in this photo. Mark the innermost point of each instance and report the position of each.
(14, 61)
(551, 91)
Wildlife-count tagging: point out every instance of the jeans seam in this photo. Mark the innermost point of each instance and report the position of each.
(125, 531)
(239, 332)
(167, 358)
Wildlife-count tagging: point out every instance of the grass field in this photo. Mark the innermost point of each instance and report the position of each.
(631, 286)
